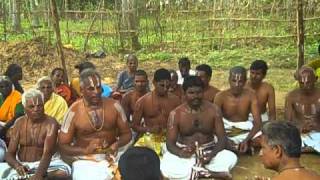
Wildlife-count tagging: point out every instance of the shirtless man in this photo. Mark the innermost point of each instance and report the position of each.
(93, 130)
(281, 150)
(236, 103)
(264, 91)
(175, 88)
(303, 108)
(129, 100)
(32, 144)
(154, 107)
(196, 121)
(204, 71)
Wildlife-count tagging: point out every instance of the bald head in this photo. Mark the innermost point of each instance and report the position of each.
(305, 70)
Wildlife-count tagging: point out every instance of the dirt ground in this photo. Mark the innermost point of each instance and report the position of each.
(38, 60)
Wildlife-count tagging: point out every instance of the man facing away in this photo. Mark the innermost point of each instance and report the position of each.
(264, 91)
(204, 71)
(192, 125)
(32, 144)
(154, 108)
(303, 108)
(93, 130)
(281, 150)
(236, 103)
(184, 69)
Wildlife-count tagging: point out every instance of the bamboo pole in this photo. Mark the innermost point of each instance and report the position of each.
(4, 21)
(300, 34)
(56, 27)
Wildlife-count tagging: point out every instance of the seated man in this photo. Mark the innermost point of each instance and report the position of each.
(175, 88)
(303, 108)
(32, 144)
(184, 69)
(93, 130)
(264, 91)
(61, 88)
(139, 163)
(55, 106)
(236, 103)
(193, 126)
(204, 71)
(281, 150)
(131, 97)
(154, 109)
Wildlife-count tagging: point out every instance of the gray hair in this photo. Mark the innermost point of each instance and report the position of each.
(85, 74)
(284, 134)
(44, 78)
(29, 94)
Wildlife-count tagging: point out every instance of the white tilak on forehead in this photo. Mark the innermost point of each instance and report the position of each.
(91, 81)
(121, 111)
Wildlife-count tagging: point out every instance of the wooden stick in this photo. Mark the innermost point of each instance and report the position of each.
(56, 27)
(300, 34)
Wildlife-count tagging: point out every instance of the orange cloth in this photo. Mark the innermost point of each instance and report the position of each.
(7, 110)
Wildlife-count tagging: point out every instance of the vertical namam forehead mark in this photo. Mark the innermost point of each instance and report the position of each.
(67, 121)
(91, 82)
(121, 111)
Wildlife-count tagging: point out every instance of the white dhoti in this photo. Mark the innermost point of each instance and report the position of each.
(9, 173)
(264, 117)
(88, 169)
(243, 128)
(3, 149)
(174, 167)
(311, 139)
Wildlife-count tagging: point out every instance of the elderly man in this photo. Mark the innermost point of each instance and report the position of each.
(236, 103)
(129, 99)
(55, 106)
(281, 150)
(32, 144)
(303, 108)
(204, 71)
(93, 130)
(193, 126)
(154, 108)
(264, 91)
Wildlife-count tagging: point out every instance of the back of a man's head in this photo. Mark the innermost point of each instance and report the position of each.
(139, 163)
(284, 134)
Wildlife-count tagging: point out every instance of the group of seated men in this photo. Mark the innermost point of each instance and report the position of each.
(198, 130)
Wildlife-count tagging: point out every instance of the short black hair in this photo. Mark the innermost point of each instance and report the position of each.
(141, 72)
(286, 135)
(191, 81)
(259, 64)
(55, 70)
(205, 68)
(12, 69)
(139, 163)
(161, 74)
(184, 61)
(238, 70)
(85, 65)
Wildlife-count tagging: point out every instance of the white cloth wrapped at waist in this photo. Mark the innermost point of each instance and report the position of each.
(311, 139)
(246, 126)
(174, 167)
(9, 173)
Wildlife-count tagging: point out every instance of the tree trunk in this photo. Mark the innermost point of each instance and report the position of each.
(16, 18)
(34, 13)
(300, 34)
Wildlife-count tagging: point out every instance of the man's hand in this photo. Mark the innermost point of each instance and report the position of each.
(308, 126)
(22, 170)
(93, 146)
(243, 146)
(207, 156)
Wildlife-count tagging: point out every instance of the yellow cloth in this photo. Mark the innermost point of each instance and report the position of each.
(56, 107)
(75, 84)
(7, 109)
(152, 141)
